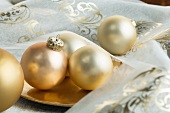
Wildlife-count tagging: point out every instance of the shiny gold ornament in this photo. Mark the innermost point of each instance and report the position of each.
(11, 80)
(43, 67)
(72, 42)
(117, 34)
(89, 67)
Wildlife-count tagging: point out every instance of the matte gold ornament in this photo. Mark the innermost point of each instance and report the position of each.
(11, 80)
(43, 67)
(89, 67)
(72, 42)
(117, 34)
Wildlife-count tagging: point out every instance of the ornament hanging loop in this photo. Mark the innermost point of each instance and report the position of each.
(55, 43)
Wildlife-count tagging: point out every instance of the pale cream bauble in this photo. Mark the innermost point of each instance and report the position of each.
(72, 42)
(89, 67)
(11, 80)
(117, 34)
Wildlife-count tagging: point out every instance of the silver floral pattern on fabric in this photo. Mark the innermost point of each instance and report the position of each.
(163, 94)
(145, 88)
(35, 30)
(23, 39)
(143, 27)
(16, 14)
(86, 16)
(164, 39)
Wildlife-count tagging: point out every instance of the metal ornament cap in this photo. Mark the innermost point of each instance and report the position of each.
(55, 43)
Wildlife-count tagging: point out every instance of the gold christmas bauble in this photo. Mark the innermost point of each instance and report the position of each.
(11, 80)
(43, 67)
(72, 42)
(117, 34)
(89, 67)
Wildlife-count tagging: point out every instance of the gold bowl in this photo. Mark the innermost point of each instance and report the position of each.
(66, 94)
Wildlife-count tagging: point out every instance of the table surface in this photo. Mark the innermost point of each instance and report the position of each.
(32, 107)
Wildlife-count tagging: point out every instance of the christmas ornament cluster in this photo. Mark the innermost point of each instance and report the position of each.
(45, 65)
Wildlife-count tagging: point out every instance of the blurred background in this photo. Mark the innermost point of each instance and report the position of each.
(158, 2)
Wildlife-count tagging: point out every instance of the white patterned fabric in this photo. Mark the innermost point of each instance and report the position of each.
(141, 84)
